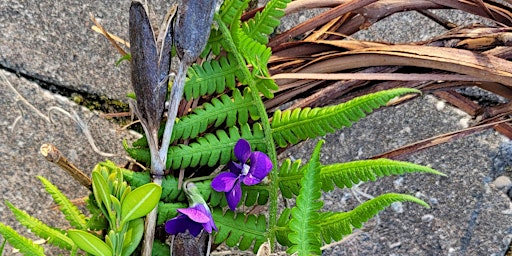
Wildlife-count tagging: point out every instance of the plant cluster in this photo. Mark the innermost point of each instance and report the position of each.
(228, 125)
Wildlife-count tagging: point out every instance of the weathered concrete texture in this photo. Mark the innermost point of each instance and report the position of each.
(21, 162)
(52, 41)
(469, 216)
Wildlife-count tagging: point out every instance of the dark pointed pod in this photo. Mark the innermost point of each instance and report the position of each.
(192, 28)
(150, 65)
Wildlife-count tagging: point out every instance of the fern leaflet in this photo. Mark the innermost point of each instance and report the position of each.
(336, 225)
(211, 149)
(264, 22)
(233, 110)
(70, 211)
(290, 127)
(53, 235)
(305, 217)
(211, 76)
(240, 230)
(289, 178)
(25, 245)
(350, 173)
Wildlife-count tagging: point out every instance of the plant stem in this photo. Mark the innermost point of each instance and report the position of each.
(149, 232)
(269, 140)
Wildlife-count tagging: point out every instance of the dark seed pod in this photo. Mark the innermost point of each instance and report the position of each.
(192, 28)
(150, 66)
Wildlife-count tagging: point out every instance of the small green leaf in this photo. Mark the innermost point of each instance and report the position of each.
(89, 243)
(133, 236)
(140, 202)
(101, 191)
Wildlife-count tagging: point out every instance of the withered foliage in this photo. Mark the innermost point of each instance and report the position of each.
(317, 63)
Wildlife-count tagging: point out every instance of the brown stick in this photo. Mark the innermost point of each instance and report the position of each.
(52, 154)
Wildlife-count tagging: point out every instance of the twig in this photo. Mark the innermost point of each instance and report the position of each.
(52, 154)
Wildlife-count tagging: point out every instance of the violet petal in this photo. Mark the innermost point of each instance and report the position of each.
(233, 197)
(242, 150)
(260, 164)
(224, 182)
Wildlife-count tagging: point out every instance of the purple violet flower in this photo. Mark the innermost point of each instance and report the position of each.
(194, 218)
(250, 173)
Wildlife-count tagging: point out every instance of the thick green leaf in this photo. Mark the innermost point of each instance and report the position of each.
(101, 191)
(140, 202)
(89, 243)
(133, 236)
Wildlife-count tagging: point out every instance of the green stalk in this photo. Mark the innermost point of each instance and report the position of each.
(269, 140)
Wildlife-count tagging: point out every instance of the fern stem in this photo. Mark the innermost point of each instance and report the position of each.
(269, 141)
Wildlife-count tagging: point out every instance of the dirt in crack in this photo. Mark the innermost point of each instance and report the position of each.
(89, 100)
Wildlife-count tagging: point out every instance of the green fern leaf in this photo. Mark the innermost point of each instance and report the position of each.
(290, 127)
(211, 76)
(211, 149)
(257, 55)
(264, 22)
(305, 217)
(336, 225)
(76, 218)
(289, 178)
(25, 245)
(350, 173)
(53, 235)
(230, 11)
(136, 179)
(240, 230)
(224, 110)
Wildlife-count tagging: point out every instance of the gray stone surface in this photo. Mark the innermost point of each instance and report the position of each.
(52, 42)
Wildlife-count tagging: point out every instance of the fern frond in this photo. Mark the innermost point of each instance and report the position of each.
(336, 225)
(211, 149)
(257, 55)
(211, 76)
(292, 126)
(230, 11)
(289, 178)
(350, 173)
(76, 218)
(231, 110)
(264, 22)
(305, 217)
(53, 235)
(25, 245)
(240, 230)
(136, 179)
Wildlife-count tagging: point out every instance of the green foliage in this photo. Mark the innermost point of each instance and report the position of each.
(222, 110)
(293, 126)
(90, 243)
(350, 173)
(336, 225)
(211, 77)
(303, 224)
(25, 245)
(240, 230)
(70, 211)
(263, 24)
(209, 150)
(54, 236)
(345, 175)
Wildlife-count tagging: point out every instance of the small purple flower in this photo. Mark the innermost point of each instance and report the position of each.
(250, 173)
(194, 219)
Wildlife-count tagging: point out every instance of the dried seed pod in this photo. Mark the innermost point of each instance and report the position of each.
(150, 66)
(192, 28)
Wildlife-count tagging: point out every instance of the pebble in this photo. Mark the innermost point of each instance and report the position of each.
(502, 183)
